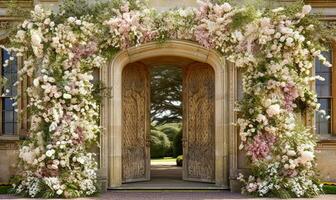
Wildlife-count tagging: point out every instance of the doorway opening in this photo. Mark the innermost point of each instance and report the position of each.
(166, 122)
(168, 131)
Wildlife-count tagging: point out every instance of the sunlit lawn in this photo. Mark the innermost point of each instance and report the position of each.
(161, 160)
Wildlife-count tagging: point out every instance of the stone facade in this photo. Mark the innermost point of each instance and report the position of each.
(229, 160)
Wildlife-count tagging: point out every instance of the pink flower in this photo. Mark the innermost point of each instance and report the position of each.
(83, 51)
(290, 94)
(202, 36)
(261, 146)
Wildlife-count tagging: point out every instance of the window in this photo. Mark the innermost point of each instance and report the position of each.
(8, 115)
(326, 95)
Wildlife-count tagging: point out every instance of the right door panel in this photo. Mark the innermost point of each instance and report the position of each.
(199, 123)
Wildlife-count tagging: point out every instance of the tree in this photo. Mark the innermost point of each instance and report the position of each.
(166, 94)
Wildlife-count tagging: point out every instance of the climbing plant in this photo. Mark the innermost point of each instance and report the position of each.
(275, 49)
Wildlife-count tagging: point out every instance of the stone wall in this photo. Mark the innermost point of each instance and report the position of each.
(8, 159)
(326, 160)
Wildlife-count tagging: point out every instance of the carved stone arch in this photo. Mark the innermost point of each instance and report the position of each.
(111, 145)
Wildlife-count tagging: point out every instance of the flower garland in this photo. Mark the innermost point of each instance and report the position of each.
(274, 50)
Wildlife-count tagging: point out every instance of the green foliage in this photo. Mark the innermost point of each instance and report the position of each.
(177, 143)
(100, 10)
(159, 144)
(166, 97)
(75, 8)
(179, 160)
(243, 18)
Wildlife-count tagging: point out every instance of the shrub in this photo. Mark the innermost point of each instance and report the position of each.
(159, 144)
(177, 144)
(179, 160)
(171, 130)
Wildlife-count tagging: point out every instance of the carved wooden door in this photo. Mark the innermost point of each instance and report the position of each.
(199, 123)
(135, 123)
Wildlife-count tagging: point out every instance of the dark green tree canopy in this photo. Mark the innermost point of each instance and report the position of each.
(166, 94)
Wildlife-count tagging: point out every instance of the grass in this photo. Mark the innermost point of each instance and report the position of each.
(4, 189)
(165, 159)
(329, 189)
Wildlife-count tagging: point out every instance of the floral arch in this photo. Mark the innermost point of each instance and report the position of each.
(275, 49)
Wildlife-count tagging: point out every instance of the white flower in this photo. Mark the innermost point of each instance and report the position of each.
(78, 22)
(71, 19)
(289, 41)
(286, 166)
(183, 13)
(278, 9)
(291, 153)
(38, 9)
(63, 163)
(66, 96)
(27, 155)
(273, 110)
(47, 21)
(36, 82)
(59, 192)
(306, 156)
(56, 162)
(306, 9)
(21, 35)
(50, 152)
(261, 118)
(53, 126)
(227, 7)
(36, 37)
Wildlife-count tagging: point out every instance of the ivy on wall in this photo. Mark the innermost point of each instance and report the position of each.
(275, 49)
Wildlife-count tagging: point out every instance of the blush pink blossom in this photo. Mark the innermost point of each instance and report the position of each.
(261, 146)
(290, 94)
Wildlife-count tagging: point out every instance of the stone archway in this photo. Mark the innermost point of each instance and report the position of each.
(111, 146)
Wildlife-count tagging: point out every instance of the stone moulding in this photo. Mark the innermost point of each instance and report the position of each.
(110, 160)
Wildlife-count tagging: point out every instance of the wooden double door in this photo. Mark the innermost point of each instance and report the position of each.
(198, 123)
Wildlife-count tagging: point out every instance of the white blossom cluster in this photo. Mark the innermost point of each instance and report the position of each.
(64, 114)
(281, 149)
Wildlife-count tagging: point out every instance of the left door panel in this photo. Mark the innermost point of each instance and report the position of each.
(135, 123)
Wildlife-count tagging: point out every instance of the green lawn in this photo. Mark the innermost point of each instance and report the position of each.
(4, 189)
(329, 189)
(165, 159)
